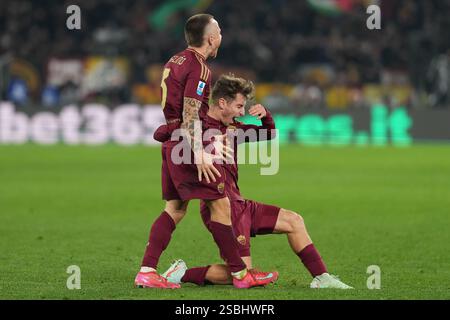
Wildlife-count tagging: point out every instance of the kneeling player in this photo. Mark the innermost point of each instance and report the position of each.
(250, 218)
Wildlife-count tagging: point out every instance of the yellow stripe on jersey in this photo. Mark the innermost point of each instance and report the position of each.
(205, 70)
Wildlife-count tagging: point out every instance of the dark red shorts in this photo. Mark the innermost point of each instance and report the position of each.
(180, 181)
(249, 218)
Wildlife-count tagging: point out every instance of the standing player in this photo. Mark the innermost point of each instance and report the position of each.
(249, 217)
(185, 90)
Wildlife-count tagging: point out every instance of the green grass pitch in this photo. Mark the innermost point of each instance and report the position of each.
(93, 207)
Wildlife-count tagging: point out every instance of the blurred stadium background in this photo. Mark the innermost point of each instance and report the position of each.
(311, 60)
(327, 79)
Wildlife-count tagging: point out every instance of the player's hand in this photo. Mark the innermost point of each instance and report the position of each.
(258, 111)
(223, 150)
(206, 168)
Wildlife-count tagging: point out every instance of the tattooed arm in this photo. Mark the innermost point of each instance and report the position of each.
(193, 126)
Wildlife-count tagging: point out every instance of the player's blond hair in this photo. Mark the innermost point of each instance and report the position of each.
(228, 86)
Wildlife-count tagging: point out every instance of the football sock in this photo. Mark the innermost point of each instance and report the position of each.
(226, 241)
(240, 274)
(147, 269)
(159, 239)
(195, 275)
(312, 260)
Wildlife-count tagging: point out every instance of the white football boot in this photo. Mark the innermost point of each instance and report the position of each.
(176, 271)
(328, 281)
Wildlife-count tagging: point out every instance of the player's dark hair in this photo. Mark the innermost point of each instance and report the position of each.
(195, 29)
(228, 86)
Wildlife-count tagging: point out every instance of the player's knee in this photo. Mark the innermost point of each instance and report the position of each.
(220, 207)
(295, 220)
(176, 209)
(176, 215)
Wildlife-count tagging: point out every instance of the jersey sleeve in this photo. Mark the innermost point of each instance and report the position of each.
(196, 81)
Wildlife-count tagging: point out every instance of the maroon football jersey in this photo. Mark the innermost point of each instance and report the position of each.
(185, 75)
(231, 170)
